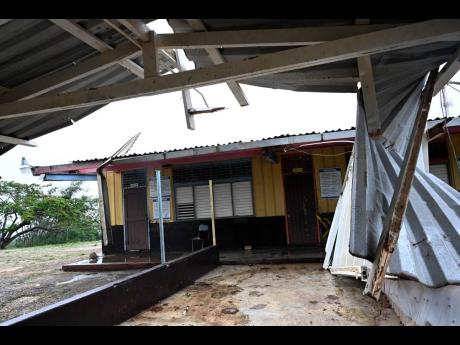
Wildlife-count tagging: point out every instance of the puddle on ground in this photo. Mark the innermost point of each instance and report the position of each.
(76, 278)
(258, 306)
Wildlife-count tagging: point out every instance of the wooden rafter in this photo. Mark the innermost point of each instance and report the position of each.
(16, 141)
(217, 58)
(263, 37)
(144, 34)
(116, 26)
(186, 97)
(84, 35)
(366, 75)
(448, 71)
(41, 85)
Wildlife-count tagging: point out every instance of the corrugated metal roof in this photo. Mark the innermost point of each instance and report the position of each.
(33, 48)
(333, 134)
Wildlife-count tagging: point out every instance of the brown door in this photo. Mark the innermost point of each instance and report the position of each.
(136, 219)
(300, 201)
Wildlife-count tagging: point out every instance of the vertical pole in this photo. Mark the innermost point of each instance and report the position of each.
(211, 198)
(151, 58)
(160, 216)
(397, 209)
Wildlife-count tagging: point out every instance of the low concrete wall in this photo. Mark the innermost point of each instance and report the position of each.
(116, 302)
(417, 304)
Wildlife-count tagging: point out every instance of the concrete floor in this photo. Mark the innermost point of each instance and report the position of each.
(271, 256)
(290, 294)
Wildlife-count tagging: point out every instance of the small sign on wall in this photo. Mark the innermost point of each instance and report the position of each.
(166, 209)
(166, 197)
(330, 182)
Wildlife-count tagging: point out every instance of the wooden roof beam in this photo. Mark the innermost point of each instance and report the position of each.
(263, 37)
(84, 35)
(448, 71)
(145, 35)
(366, 74)
(41, 85)
(217, 58)
(16, 141)
(297, 58)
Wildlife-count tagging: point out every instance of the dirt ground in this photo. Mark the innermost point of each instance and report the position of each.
(294, 294)
(31, 278)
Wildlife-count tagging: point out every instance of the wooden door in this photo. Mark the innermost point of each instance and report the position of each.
(136, 219)
(300, 201)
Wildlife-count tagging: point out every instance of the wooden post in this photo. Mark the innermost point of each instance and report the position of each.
(211, 198)
(395, 216)
(151, 58)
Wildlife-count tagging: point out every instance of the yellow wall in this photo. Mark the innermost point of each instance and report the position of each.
(327, 205)
(267, 181)
(454, 173)
(115, 197)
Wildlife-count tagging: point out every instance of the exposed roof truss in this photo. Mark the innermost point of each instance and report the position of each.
(291, 59)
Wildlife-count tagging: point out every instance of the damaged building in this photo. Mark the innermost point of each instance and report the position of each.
(390, 186)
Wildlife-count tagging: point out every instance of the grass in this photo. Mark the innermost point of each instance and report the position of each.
(49, 246)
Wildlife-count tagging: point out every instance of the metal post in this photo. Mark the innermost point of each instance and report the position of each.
(160, 216)
(211, 197)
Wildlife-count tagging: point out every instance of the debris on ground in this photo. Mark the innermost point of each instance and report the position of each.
(230, 310)
(294, 294)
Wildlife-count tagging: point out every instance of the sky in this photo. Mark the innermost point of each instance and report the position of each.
(161, 121)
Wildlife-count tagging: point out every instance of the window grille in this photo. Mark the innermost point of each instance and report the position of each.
(134, 179)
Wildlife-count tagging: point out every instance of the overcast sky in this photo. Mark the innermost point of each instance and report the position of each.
(161, 121)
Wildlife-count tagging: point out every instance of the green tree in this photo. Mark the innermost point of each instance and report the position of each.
(27, 209)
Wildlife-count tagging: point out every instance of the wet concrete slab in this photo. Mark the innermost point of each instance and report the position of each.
(290, 294)
(271, 256)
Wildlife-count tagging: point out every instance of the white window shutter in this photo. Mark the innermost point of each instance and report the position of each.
(202, 202)
(242, 198)
(223, 200)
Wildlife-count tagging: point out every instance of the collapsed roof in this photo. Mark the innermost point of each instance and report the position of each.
(55, 72)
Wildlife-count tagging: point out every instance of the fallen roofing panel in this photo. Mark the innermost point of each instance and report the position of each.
(428, 248)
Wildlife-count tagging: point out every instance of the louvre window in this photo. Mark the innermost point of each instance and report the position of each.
(242, 198)
(230, 199)
(184, 203)
(202, 201)
(440, 171)
(223, 200)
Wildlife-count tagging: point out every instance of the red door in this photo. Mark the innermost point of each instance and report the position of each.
(300, 200)
(136, 219)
